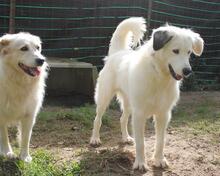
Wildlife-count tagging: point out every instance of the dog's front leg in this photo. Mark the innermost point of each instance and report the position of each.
(26, 131)
(138, 121)
(161, 122)
(5, 147)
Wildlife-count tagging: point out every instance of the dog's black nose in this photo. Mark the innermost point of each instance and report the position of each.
(39, 62)
(187, 71)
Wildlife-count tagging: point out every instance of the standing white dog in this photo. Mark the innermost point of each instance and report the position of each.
(22, 82)
(146, 81)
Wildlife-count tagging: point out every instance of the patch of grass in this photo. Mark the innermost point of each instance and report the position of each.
(85, 115)
(114, 104)
(43, 164)
(201, 118)
(47, 115)
(102, 162)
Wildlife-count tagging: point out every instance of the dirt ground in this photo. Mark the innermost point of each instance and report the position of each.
(189, 154)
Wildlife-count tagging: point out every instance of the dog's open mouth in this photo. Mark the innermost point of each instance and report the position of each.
(174, 75)
(32, 71)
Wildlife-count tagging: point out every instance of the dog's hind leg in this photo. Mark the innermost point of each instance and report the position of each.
(5, 148)
(125, 107)
(103, 97)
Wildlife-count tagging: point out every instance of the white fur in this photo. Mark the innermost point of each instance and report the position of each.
(143, 83)
(21, 95)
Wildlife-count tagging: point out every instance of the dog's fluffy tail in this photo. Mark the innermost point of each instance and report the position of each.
(128, 33)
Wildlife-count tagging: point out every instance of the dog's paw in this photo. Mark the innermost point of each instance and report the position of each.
(26, 158)
(8, 154)
(95, 142)
(128, 140)
(162, 163)
(141, 166)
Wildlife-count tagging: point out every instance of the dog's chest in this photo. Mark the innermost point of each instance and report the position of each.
(163, 98)
(14, 102)
(12, 105)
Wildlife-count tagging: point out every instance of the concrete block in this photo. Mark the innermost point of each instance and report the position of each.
(68, 77)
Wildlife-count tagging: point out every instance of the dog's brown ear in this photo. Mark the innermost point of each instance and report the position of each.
(160, 38)
(198, 44)
(3, 44)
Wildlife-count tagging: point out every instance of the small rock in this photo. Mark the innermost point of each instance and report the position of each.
(60, 143)
(75, 128)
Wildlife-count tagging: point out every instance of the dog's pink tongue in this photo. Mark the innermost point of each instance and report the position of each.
(178, 77)
(37, 71)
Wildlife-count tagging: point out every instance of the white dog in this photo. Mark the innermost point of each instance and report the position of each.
(146, 80)
(22, 77)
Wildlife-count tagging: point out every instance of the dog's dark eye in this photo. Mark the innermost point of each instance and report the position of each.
(37, 47)
(176, 51)
(24, 48)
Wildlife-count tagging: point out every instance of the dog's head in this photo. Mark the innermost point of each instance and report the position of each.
(22, 51)
(173, 46)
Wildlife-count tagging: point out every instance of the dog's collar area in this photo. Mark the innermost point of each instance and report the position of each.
(174, 75)
(32, 71)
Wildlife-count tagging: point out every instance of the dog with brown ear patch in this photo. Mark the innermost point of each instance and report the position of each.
(22, 82)
(146, 81)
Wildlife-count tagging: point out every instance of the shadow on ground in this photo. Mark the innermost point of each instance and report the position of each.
(115, 161)
(9, 167)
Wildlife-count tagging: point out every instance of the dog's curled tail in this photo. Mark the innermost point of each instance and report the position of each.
(127, 34)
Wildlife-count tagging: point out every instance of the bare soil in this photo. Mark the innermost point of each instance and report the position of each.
(188, 154)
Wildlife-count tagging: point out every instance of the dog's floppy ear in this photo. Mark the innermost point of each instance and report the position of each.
(160, 38)
(3, 44)
(198, 44)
